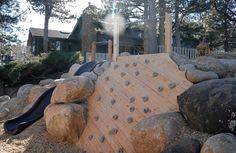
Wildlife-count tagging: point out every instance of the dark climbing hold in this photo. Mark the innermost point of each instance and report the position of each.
(130, 119)
(96, 117)
(127, 83)
(146, 110)
(132, 109)
(155, 74)
(114, 131)
(113, 101)
(132, 99)
(102, 139)
(147, 61)
(160, 88)
(145, 98)
(90, 137)
(115, 117)
(98, 98)
(137, 73)
(122, 74)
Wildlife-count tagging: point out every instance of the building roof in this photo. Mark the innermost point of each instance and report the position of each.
(51, 33)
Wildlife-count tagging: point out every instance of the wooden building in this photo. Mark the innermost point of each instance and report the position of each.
(58, 41)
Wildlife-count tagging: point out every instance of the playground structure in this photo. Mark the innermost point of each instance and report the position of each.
(131, 89)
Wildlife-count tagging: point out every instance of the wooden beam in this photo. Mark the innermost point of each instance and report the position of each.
(93, 49)
(110, 49)
(168, 33)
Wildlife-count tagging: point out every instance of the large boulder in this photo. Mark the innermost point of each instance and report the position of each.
(220, 143)
(73, 69)
(206, 63)
(195, 76)
(73, 89)
(155, 133)
(91, 75)
(4, 98)
(65, 75)
(35, 92)
(210, 106)
(46, 82)
(4, 113)
(230, 66)
(24, 90)
(65, 121)
(179, 59)
(185, 145)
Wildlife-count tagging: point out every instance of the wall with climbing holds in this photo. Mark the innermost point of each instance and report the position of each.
(130, 90)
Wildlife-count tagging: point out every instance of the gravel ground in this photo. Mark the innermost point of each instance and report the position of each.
(35, 139)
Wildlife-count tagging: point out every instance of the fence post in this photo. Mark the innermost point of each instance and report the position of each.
(110, 49)
(168, 33)
(93, 48)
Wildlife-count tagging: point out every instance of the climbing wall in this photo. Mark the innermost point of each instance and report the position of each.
(132, 89)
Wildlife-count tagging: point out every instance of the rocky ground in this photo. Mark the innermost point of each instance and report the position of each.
(35, 139)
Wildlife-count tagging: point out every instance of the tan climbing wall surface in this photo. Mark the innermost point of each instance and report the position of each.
(132, 88)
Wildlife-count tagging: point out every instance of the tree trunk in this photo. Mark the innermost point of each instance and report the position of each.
(152, 23)
(46, 20)
(162, 8)
(177, 25)
(226, 35)
(145, 39)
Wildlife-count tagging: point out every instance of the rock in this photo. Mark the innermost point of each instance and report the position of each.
(58, 81)
(46, 82)
(210, 106)
(65, 75)
(220, 143)
(155, 133)
(91, 75)
(65, 121)
(4, 113)
(98, 70)
(178, 59)
(4, 98)
(14, 106)
(24, 90)
(35, 92)
(185, 145)
(27, 108)
(73, 69)
(106, 64)
(230, 66)
(73, 89)
(125, 54)
(196, 76)
(185, 67)
(206, 63)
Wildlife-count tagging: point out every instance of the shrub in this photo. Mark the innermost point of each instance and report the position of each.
(36, 68)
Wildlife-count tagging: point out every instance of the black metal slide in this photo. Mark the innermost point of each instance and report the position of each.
(18, 124)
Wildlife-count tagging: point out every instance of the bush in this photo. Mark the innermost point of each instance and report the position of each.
(37, 68)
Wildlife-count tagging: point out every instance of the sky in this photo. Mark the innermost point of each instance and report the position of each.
(36, 20)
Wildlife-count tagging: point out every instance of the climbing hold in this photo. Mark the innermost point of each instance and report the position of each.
(122, 74)
(90, 137)
(120, 150)
(130, 119)
(135, 64)
(114, 131)
(147, 61)
(146, 110)
(132, 109)
(127, 83)
(137, 73)
(145, 98)
(98, 98)
(172, 85)
(113, 101)
(96, 117)
(126, 65)
(111, 89)
(115, 117)
(155, 74)
(107, 78)
(102, 139)
(116, 66)
(160, 88)
(132, 99)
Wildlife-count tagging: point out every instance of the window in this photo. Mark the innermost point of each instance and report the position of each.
(56, 45)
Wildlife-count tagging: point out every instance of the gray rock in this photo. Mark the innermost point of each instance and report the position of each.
(4, 113)
(206, 63)
(125, 54)
(46, 82)
(58, 81)
(220, 143)
(106, 64)
(185, 145)
(4, 98)
(230, 66)
(91, 75)
(155, 133)
(98, 70)
(65, 75)
(73, 69)
(24, 90)
(178, 59)
(196, 76)
(185, 67)
(210, 106)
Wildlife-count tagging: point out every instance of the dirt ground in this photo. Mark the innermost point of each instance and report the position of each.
(34, 139)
